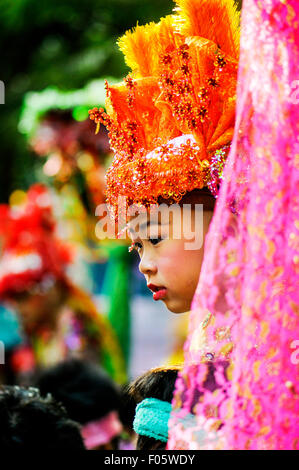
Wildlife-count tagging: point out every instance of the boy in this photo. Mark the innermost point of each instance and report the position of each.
(170, 126)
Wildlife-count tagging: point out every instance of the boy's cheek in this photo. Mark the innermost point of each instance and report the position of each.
(168, 264)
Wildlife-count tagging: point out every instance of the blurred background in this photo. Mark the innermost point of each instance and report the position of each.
(55, 57)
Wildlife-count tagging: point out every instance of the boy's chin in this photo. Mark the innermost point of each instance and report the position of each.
(177, 307)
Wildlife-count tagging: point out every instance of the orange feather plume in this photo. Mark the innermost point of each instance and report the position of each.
(216, 20)
(143, 46)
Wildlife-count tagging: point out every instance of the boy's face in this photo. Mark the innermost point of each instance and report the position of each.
(170, 267)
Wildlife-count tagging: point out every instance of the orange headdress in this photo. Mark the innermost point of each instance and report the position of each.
(171, 120)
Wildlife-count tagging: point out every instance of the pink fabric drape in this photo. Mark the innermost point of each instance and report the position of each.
(239, 387)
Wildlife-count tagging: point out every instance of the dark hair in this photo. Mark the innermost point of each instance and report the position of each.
(156, 383)
(83, 388)
(196, 196)
(31, 422)
(127, 408)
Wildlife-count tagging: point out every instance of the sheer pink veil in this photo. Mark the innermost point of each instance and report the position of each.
(239, 387)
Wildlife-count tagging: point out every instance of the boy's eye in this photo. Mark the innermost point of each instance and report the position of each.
(155, 241)
(138, 246)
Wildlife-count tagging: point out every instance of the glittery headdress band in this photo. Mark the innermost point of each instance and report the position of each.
(171, 120)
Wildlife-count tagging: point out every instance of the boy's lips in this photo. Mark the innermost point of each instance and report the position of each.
(159, 292)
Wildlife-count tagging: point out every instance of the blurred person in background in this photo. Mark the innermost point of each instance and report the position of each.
(31, 422)
(91, 398)
(59, 319)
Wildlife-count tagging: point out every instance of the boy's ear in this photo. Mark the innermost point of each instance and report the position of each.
(209, 215)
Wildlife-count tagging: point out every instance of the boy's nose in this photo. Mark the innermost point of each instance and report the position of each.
(147, 266)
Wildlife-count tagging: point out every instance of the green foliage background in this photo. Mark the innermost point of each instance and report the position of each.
(64, 43)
